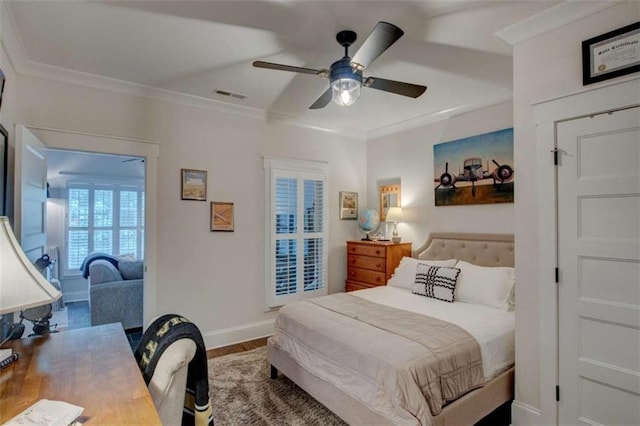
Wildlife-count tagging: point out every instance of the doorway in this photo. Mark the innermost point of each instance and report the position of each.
(588, 257)
(95, 204)
(599, 264)
(131, 149)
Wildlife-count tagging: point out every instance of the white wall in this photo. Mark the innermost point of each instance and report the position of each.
(408, 155)
(214, 278)
(546, 66)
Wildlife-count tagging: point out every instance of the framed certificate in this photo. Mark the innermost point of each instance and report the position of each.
(610, 55)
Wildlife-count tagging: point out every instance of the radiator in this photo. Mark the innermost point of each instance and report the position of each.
(54, 257)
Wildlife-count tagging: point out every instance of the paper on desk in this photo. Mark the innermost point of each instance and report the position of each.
(5, 353)
(47, 413)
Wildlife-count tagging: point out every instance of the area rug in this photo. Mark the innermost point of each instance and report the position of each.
(242, 393)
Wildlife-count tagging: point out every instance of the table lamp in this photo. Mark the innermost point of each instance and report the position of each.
(394, 214)
(22, 286)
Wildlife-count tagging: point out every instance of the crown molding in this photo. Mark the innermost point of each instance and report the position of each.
(550, 19)
(445, 114)
(11, 40)
(65, 75)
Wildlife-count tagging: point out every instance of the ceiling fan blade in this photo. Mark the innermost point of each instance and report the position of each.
(323, 100)
(397, 87)
(381, 38)
(280, 67)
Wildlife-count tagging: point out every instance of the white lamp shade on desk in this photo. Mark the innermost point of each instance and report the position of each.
(22, 286)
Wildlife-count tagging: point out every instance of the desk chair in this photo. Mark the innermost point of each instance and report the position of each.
(173, 361)
(169, 381)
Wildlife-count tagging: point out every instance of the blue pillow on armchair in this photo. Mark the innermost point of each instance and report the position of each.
(131, 270)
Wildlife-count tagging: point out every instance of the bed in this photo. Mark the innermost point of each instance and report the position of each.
(367, 357)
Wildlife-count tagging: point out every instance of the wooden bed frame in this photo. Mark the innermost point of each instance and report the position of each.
(480, 249)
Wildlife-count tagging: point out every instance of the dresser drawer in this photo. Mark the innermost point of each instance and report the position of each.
(353, 285)
(365, 262)
(366, 250)
(366, 276)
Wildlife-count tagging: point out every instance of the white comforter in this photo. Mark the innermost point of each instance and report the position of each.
(360, 363)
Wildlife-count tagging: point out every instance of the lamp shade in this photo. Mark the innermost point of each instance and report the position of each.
(394, 214)
(22, 286)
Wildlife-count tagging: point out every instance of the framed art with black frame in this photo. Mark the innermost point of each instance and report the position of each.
(193, 184)
(4, 141)
(611, 55)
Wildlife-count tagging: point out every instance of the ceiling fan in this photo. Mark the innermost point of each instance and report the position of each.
(128, 160)
(345, 75)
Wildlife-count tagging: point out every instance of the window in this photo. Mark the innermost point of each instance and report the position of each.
(104, 218)
(296, 226)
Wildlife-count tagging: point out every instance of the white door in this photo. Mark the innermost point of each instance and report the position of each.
(599, 265)
(30, 202)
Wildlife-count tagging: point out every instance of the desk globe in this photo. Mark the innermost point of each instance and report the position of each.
(368, 220)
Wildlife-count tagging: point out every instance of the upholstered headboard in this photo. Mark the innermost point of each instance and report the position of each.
(479, 249)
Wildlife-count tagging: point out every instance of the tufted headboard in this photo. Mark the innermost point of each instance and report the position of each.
(479, 249)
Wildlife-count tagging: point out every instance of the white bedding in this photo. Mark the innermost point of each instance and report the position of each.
(492, 328)
(333, 349)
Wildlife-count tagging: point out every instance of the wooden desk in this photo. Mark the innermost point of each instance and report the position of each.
(91, 367)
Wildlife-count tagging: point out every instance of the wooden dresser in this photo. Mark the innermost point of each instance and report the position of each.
(371, 264)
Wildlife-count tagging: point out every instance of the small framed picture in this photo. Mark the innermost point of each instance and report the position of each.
(612, 54)
(194, 184)
(221, 216)
(348, 205)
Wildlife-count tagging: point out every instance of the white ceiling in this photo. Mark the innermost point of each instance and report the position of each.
(64, 166)
(195, 47)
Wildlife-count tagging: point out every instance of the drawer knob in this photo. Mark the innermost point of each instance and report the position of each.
(378, 265)
(377, 251)
(378, 279)
(353, 261)
(353, 274)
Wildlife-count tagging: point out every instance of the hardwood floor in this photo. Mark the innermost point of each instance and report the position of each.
(238, 347)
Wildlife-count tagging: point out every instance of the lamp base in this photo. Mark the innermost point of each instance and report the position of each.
(396, 240)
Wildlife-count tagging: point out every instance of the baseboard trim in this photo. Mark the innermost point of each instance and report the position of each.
(524, 414)
(233, 335)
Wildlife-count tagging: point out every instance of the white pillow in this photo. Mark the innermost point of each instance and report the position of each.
(405, 274)
(482, 285)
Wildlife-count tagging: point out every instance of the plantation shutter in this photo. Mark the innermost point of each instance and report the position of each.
(297, 230)
(107, 218)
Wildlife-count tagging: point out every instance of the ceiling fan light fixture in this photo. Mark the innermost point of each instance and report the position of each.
(345, 82)
(345, 91)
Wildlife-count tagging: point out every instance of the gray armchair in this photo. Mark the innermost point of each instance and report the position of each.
(115, 294)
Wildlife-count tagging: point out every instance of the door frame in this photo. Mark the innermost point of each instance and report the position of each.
(106, 144)
(547, 114)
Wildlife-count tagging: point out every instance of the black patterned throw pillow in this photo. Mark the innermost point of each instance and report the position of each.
(437, 282)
